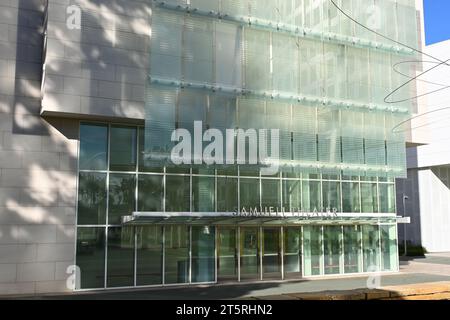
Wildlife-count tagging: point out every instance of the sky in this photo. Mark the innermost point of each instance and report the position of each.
(437, 20)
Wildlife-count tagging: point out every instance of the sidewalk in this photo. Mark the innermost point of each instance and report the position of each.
(419, 276)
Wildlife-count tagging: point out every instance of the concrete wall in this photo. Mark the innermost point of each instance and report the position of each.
(429, 207)
(101, 69)
(37, 163)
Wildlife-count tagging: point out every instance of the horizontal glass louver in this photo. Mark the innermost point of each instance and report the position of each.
(327, 99)
(206, 52)
(312, 139)
(396, 19)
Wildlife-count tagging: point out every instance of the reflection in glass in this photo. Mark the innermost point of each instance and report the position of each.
(149, 255)
(92, 199)
(292, 196)
(271, 253)
(93, 147)
(227, 254)
(389, 251)
(311, 196)
(293, 252)
(145, 164)
(91, 257)
(350, 197)
(270, 193)
(387, 198)
(203, 254)
(203, 194)
(122, 191)
(177, 194)
(332, 249)
(369, 197)
(176, 254)
(331, 195)
(249, 239)
(150, 193)
(371, 248)
(249, 194)
(120, 257)
(227, 194)
(312, 244)
(123, 148)
(352, 249)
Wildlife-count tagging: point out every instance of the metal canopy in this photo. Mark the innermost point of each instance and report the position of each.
(158, 218)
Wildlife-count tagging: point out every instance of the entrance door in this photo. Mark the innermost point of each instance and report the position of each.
(271, 253)
(293, 252)
(249, 253)
(227, 255)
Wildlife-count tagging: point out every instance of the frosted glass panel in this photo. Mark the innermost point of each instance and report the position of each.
(257, 60)
(228, 50)
(314, 86)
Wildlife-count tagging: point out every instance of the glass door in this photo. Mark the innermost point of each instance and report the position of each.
(227, 255)
(332, 249)
(271, 253)
(293, 253)
(249, 253)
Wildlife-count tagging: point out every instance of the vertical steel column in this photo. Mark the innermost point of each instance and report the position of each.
(302, 252)
(379, 248)
(135, 255)
(238, 236)
(322, 254)
(361, 247)
(190, 254)
(282, 252)
(342, 255)
(107, 207)
(261, 235)
(216, 239)
(163, 266)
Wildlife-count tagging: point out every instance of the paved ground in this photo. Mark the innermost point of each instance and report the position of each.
(433, 268)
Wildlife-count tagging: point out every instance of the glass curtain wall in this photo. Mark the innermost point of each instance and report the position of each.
(312, 250)
(162, 254)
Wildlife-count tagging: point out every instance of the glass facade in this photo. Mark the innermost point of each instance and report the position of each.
(113, 255)
(297, 66)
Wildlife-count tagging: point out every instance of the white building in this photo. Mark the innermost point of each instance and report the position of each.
(428, 183)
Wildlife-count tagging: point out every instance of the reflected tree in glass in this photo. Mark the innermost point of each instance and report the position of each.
(122, 191)
(123, 148)
(120, 257)
(311, 196)
(292, 251)
(352, 249)
(389, 249)
(227, 254)
(371, 248)
(227, 194)
(332, 249)
(92, 199)
(292, 197)
(90, 257)
(312, 244)
(177, 194)
(249, 194)
(203, 194)
(150, 193)
(203, 254)
(350, 197)
(93, 147)
(270, 193)
(176, 254)
(149, 255)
